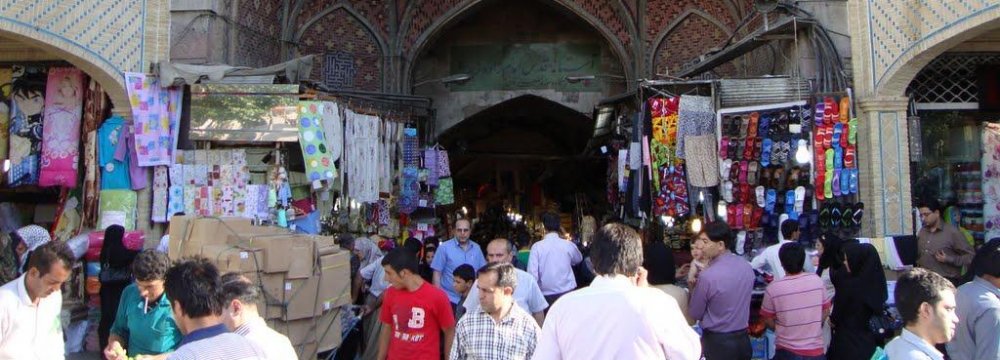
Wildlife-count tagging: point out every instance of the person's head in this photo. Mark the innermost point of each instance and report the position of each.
(792, 256)
(497, 282)
(49, 267)
(986, 263)
(400, 266)
(463, 228)
(696, 252)
(429, 250)
(715, 239)
(346, 242)
(462, 278)
(926, 301)
(194, 289)
(790, 230)
(616, 250)
(27, 239)
(150, 268)
(500, 250)
(551, 221)
(930, 213)
(239, 298)
(831, 255)
(366, 250)
(413, 246)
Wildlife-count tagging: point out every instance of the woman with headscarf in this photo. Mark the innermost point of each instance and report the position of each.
(115, 276)
(22, 243)
(861, 293)
(371, 271)
(829, 248)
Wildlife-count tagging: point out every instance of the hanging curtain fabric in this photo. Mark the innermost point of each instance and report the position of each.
(361, 150)
(61, 132)
(151, 120)
(669, 179)
(315, 149)
(94, 107)
(27, 99)
(333, 128)
(991, 179)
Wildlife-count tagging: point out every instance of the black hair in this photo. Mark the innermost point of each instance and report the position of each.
(113, 250)
(792, 256)
(346, 241)
(551, 221)
(235, 286)
(400, 259)
(31, 81)
(616, 249)
(931, 204)
(789, 227)
(194, 284)
(987, 259)
(465, 272)
(413, 245)
(506, 276)
(719, 231)
(150, 265)
(918, 286)
(48, 254)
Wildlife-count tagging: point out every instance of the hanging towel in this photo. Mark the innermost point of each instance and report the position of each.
(151, 127)
(361, 152)
(315, 150)
(161, 189)
(333, 128)
(445, 192)
(696, 116)
(61, 132)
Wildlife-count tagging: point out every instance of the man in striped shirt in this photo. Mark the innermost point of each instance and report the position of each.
(796, 307)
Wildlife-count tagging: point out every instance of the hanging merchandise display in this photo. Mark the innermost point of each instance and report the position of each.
(114, 172)
(763, 182)
(361, 152)
(26, 105)
(161, 189)
(61, 130)
(333, 129)
(94, 106)
(835, 158)
(153, 128)
(991, 180)
(5, 78)
(214, 182)
(117, 207)
(315, 150)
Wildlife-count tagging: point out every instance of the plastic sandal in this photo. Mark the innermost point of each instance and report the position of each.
(818, 115)
(724, 148)
(765, 124)
(738, 214)
(849, 154)
(746, 192)
(838, 158)
(828, 184)
(758, 145)
(753, 125)
(765, 154)
(758, 213)
(743, 172)
(748, 149)
(753, 173)
(835, 215)
(800, 198)
(829, 160)
(836, 182)
(741, 240)
(777, 177)
(845, 182)
(790, 204)
(747, 215)
(820, 180)
(852, 131)
(854, 181)
(859, 211)
(846, 214)
(759, 190)
(845, 109)
(838, 129)
(744, 123)
(828, 136)
(769, 200)
(727, 191)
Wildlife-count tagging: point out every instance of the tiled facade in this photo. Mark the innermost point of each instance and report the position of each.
(891, 42)
(103, 38)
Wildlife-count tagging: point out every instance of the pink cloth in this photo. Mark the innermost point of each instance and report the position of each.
(61, 130)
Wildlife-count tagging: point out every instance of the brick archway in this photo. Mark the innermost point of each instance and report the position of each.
(906, 66)
(99, 69)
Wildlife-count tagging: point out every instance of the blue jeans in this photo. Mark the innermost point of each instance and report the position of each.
(782, 354)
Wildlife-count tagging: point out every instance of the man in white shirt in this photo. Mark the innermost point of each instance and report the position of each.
(527, 295)
(618, 316)
(926, 302)
(552, 260)
(241, 316)
(769, 257)
(30, 306)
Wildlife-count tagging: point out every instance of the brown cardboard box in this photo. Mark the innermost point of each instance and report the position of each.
(179, 226)
(335, 281)
(188, 235)
(330, 329)
(306, 351)
(283, 253)
(272, 290)
(231, 259)
(298, 331)
(300, 298)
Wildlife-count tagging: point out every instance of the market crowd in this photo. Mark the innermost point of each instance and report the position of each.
(453, 300)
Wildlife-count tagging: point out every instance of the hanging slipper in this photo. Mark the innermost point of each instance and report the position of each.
(727, 166)
(844, 135)
(828, 183)
(852, 131)
(838, 129)
(744, 123)
(824, 216)
(854, 181)
(724, 148)
(836, 182)
(777, 179)
(847, 213)
(765, 177)
(818, 115)
(741, 240)
(747, 215)
(765, 124)
(739, 216)
(748, 149)
(758, 213)
(758, 145)
(820, 180)
(775, 154)
(727, 191)
(769, 200)
(746, 193)
(790, 204)
(859, 211)
(838, 158)
(765, 154)
(734, 172)
(818, 139)
(836, 214)
(828, 136)
(819, 160)
(733, 148)
(753, 173)
(724, 214)
(731, 215)
(753, 124)
(845, 109)
(793, 178)
(830, 114)
(800, 199)
(759, 190)
(742, 179)
(830, 165)
(849, 154)
(845, 182)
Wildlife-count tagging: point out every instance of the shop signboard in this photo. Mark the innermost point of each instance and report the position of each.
(526, 66)
(245, 112)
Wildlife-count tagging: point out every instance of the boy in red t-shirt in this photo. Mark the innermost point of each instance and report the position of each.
(413, 311)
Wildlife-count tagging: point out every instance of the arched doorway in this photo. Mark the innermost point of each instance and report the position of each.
(518, 130)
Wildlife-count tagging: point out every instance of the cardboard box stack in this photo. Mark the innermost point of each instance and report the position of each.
(305, 279)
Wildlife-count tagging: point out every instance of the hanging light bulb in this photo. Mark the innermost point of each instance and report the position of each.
(6, 165)
(695, 225)
(802, 154)
(465, 210)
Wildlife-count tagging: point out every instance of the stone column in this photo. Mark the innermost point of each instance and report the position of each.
(884, 160)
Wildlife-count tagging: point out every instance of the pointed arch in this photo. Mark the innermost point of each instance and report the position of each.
(427, 37)
(662, 36)
(383, 48)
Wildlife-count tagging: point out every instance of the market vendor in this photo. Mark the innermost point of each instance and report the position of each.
(144, 321)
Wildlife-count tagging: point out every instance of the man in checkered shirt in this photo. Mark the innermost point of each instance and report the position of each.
(499, 329)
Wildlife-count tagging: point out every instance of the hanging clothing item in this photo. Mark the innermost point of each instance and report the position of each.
(431, 164)
(409, 191)
(696, 116)
(444, 165)
(361, 152)
(151, 122)
(125, 152)
(161, 189)
(333, 128)
(445, 192)
(26, 112)
(61, 132)
(315, 150)
(114, 172)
